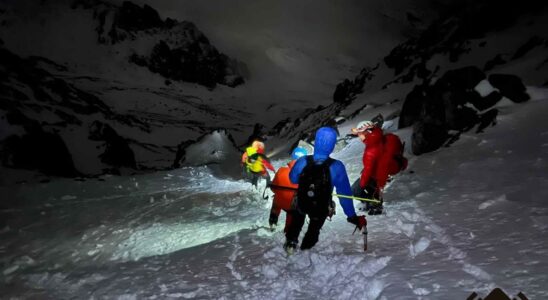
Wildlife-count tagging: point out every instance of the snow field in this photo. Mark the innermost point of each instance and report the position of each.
(469, 218)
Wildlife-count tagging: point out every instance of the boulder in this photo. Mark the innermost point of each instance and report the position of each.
(427, 137)
(510, 86)
(411, 108)
(463, 78)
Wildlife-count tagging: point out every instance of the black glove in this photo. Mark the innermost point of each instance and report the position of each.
(359, 221)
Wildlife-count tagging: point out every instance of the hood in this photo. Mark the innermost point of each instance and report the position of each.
(326, 138)
(374, 137)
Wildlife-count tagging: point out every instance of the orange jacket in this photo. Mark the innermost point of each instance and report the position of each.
(283, 197)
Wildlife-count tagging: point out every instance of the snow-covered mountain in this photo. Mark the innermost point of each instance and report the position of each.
(87, 91)
(96, 87)
(451, 77)
(157, 84)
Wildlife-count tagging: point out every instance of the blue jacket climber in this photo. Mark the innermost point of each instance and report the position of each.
(314, 192)
(325, 141)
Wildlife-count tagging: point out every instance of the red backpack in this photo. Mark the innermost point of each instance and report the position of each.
(392, 160)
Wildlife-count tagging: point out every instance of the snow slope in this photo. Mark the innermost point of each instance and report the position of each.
(470, 217)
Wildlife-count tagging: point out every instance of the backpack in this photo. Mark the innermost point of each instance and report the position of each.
(394, 148)
(315, 188)
(255, 163)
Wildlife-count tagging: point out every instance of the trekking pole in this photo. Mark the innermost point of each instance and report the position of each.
(364, 238)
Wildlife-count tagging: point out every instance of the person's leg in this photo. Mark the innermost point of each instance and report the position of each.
(312, 234)
(357, 191)
(254, 179)
(266, 177)
(373, 193)
(297, 222)
(288, 217)
(274, 213)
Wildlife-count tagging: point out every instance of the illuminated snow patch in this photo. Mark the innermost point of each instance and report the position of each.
(159, 239)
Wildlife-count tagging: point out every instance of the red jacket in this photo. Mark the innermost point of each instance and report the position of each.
(371, 156)
(266, 163)
(391, 161)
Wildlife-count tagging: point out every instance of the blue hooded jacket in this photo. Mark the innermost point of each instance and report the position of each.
(326, 138)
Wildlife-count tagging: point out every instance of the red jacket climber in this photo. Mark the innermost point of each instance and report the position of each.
(383, 156)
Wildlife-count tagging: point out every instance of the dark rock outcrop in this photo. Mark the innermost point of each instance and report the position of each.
(412, 106)
(36, 149)
(117, 151)
(132, 17)
(181, 152)
(49, 93)
(342, 91)
(197, 61)
(510, 86)
(428, 137)
(182, 53)
(444, 102)
(258, 134)
(461, 79)
(452, 33)
(447, 105)
(347, 90)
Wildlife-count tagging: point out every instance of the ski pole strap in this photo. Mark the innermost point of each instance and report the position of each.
(358, 198)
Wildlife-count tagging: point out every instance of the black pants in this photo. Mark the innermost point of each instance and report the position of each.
(313, 232)
(254, 177)
(370, 192)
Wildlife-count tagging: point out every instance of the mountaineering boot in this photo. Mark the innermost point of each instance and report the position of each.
(376, 209)
(273, 221)
(290, 247)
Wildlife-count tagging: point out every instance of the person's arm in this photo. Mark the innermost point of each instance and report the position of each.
(339, 178)
(297, 169)
(382, 171)
(268, 165)
(368, 166)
